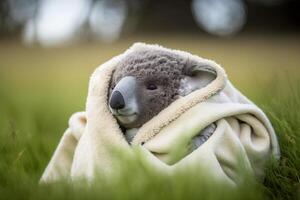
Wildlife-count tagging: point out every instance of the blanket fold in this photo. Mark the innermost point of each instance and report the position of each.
(243, 133)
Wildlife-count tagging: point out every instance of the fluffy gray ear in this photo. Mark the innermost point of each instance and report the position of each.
(196, 76)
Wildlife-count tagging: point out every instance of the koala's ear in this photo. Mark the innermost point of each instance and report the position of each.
(196, 76)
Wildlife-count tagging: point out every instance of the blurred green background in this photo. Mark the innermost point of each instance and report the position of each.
(48, 50)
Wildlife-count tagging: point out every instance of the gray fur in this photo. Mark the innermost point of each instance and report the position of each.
(203, 136)
(173, 75)
(163, 69)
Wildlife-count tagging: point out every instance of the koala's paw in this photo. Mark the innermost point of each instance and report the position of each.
(203, 136)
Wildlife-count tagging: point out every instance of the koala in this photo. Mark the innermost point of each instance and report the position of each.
(147, 81)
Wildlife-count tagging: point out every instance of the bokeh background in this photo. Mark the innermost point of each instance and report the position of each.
(49, 48)
(57, 22)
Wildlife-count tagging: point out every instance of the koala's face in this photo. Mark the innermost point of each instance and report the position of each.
(140, 91)
(144, 84)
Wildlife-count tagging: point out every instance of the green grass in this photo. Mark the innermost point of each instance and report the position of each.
(41, 88)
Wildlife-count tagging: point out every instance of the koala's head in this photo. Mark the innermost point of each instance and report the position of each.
(146, 82)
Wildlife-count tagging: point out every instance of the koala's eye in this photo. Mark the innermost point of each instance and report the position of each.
(151, 86)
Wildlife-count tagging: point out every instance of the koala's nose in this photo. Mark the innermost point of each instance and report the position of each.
(116, 100)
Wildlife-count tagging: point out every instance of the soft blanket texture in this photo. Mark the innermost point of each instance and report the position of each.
(243, 134)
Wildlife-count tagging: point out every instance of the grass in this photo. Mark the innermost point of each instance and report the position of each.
(41, 88)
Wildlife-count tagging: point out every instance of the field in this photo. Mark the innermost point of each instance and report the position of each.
(40, 89)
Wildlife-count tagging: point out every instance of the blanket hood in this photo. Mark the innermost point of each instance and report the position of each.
(97, 101)
(243, 130)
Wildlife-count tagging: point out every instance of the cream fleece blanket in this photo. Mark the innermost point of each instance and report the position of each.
(243, 135)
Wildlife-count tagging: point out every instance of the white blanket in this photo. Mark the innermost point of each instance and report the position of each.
(243, 135)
